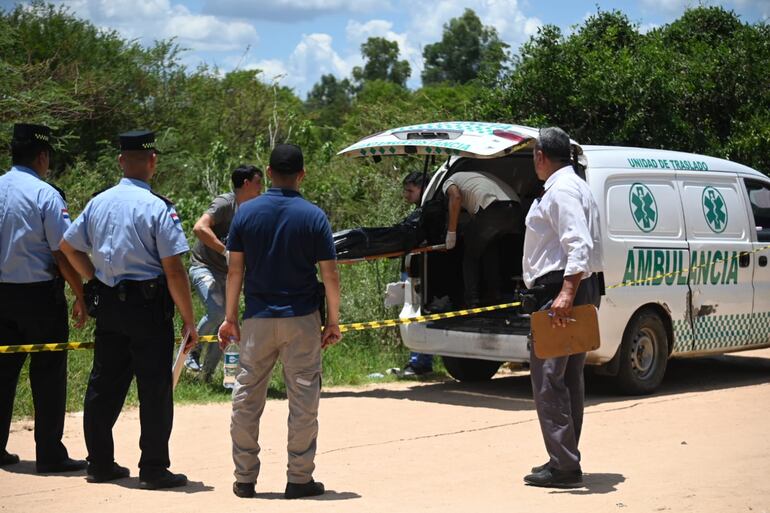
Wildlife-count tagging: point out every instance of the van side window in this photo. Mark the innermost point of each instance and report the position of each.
(759, 197)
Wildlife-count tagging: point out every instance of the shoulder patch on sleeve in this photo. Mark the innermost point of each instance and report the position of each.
(167, 201)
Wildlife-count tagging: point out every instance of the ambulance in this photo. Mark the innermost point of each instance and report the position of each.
(685, 242)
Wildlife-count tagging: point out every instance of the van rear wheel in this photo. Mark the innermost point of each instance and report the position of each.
(643, 354)
(470, 369)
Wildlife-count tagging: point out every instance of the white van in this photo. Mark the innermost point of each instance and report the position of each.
(686, 235)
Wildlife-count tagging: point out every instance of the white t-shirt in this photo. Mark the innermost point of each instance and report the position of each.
(563, 230)
(478, 189)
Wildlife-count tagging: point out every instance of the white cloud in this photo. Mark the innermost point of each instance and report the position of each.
(316, 54)
(313, 56)
(513, 26)
(149, 20)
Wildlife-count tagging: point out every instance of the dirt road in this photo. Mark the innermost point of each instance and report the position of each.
(701, 444)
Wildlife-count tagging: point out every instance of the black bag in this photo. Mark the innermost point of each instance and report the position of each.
(363, 242)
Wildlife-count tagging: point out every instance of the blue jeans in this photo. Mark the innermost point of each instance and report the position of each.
(421, 360)
(211, 289)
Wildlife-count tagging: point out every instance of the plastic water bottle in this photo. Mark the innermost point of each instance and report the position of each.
(231, 360)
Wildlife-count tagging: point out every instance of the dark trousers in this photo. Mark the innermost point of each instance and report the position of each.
(35, 313)
(134, 337)
(559, 389)
(499, 218)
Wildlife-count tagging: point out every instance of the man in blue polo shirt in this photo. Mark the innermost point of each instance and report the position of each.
(275, 243)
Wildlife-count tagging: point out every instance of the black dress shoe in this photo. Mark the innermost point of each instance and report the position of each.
(65, 465)
(540, 468)
(165, 479)
(110, 473)
(6, 458)
(299, 490)
(244, 490)
(554, 478)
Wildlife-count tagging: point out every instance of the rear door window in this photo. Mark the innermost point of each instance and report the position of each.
(759, 198)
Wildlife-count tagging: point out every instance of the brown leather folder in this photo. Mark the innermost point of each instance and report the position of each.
(580, 335)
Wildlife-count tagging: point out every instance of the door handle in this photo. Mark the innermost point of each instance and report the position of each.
(744, 260)
(762, 261)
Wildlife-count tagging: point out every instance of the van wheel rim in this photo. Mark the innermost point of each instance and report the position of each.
(643, 353)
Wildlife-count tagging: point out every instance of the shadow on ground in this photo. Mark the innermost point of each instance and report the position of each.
(329, 495)
(514, 392)
(596, 484)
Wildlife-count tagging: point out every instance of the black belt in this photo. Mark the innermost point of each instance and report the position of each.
(142, 289)
(551, 278)
(557, 278)
(39, 285)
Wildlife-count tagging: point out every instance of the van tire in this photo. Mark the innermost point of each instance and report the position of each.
(470, 369)
(643, 354)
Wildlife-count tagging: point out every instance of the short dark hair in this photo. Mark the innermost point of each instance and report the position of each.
(414, 178)
(287, 159)
(554, 143)
(24, 154)
(242, 173)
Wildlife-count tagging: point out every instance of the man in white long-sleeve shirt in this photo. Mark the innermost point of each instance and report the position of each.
(562, 256)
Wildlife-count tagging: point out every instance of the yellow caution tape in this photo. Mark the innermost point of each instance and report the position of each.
(687, 270)
(362, 326)
(39, 348)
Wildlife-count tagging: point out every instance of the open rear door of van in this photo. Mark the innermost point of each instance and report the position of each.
(445, 139)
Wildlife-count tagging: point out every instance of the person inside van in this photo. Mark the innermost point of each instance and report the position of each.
(494, 211)
(419, 363)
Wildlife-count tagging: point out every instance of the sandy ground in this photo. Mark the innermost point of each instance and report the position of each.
(701, 444)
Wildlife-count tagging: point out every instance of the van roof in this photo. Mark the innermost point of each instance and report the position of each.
(624, 157)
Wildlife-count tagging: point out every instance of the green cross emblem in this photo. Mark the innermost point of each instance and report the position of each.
(714, 209)
(643, 207)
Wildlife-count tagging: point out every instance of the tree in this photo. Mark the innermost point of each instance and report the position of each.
(700, 84)
(330, 100)
(382, 63)
(467, 49)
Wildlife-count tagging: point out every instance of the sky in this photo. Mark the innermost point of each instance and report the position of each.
(294, 42)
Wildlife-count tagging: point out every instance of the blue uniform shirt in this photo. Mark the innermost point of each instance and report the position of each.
(127, 230)
(283, 237)
(33, 218)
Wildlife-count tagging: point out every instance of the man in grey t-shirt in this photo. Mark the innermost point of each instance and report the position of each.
(208, 260)
(494, 210)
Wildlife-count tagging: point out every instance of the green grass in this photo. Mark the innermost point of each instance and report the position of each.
(346, 363)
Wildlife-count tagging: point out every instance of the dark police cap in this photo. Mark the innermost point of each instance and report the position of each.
(287, 158)
(25, 133)
(138, 140)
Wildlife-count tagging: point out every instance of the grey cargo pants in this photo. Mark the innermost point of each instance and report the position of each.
(558, 389)
(297, 342)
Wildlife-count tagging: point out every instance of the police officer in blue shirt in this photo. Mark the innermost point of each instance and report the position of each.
(33, 310)
(136, 276)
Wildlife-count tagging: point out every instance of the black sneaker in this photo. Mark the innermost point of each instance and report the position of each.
(6, 458)
(164, 480)
(554, 478)
(299, 490)
(244, 490)
(65, 465)
(412, 370)
(192, 362)
(104, 475)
